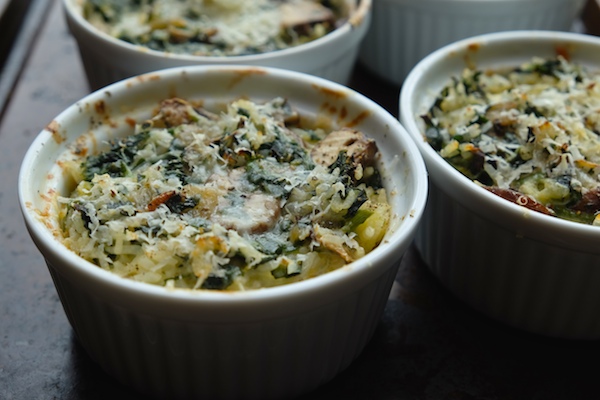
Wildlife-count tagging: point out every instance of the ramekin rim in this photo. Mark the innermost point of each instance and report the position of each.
(400, 237)
(350, 25)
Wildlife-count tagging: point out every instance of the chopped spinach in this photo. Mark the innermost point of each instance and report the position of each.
(529, 109)
(271, 244)
(243, 112)
(360, 200)
(471, 84)
(178, 204)
(223, 280)
(284, 151)
(116, 160)
(551, 67)
(344, 164)
(432, 133)
(260, 173)
(79, 207)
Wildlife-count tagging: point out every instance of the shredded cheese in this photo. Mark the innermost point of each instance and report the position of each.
(229, 201)
(530, 131)
(216, 28)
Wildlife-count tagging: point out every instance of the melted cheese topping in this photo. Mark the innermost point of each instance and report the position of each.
(229, 201)
(530, 134)
(215, 28)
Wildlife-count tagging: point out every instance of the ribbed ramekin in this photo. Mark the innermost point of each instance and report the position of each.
(107, 59)
(403, 32)
(529, 270)
(271, 343)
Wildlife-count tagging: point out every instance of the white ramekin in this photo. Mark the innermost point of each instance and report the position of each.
(402, 32)
(271, 343)
(107, 59)
(532, 271)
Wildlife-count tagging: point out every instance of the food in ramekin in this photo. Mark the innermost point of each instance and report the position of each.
(246, 198)
(217, 28)
(529, 134)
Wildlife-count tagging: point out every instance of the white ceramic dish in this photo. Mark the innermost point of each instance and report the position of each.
(271, 343)
(532, 271)
(403, 32)
(107, 59)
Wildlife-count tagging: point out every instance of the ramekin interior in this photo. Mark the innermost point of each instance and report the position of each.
(73, 10)
(497, 50)
(404, 171)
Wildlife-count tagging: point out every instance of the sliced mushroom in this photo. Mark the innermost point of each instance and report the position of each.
(520, 199)
(359, 149)
(174, 112)
(258, 213)
(299, 15)
(589, 202)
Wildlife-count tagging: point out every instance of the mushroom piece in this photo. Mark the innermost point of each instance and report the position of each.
(258, 213)
(520, 199)
(360, 151)
(300, 15)
(174, 112)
